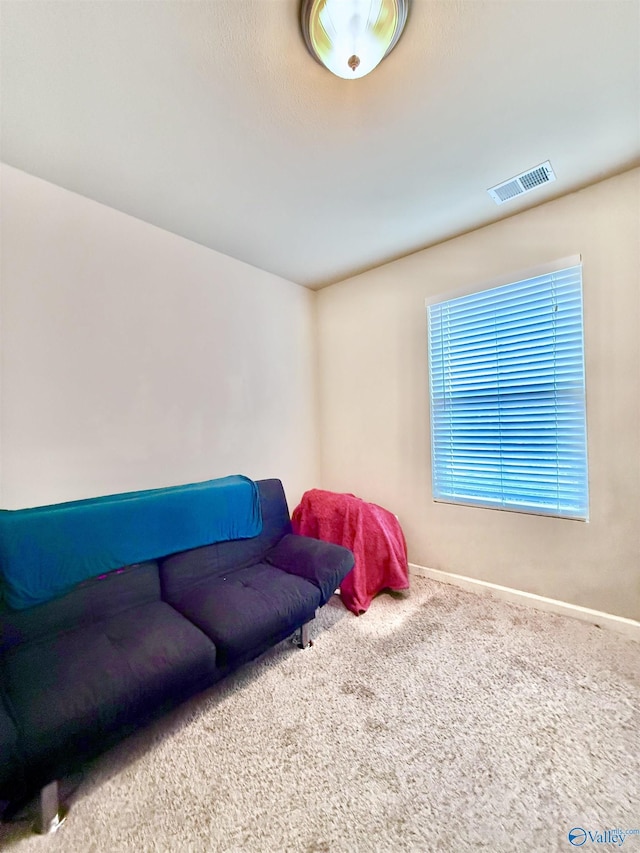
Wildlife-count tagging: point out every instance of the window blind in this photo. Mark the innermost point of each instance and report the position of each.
(506, 370)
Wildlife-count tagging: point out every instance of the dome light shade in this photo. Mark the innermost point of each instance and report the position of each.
(351, 37)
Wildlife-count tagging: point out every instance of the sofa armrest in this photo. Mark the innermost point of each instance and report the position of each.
(323, 564)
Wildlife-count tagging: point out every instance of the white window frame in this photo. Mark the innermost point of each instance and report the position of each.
(511, 278)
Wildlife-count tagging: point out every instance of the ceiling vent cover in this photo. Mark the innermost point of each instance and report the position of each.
(524, 183)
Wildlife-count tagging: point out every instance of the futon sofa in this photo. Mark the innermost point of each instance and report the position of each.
(81, 671)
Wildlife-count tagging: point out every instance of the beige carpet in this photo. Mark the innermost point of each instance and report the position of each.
(438, 721)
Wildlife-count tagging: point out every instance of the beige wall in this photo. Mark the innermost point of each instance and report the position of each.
(375, 410)
(133, 358)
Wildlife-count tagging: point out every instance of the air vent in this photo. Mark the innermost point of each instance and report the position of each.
(524, 183)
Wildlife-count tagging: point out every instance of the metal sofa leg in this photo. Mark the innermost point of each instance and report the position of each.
(304, 641)
(50, 815)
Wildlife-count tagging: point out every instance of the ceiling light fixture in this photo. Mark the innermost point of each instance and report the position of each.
(351, 37)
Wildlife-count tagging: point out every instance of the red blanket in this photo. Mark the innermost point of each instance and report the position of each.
(371, 532)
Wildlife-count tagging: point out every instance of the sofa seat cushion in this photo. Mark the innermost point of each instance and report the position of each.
(246, 610)
(71, 693)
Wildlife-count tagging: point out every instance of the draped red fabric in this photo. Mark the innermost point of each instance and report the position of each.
(371, 532)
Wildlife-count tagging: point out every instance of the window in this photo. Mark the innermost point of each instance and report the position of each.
(506, 368)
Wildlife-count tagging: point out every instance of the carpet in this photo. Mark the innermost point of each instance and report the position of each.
(440, 720)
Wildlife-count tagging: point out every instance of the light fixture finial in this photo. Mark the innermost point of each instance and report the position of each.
(351, 37)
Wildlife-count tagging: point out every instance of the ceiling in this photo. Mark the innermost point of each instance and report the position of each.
(211, 120)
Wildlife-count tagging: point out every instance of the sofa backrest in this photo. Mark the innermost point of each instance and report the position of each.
(46, 550)
(132, 586)
(87, 603)
(188, 568)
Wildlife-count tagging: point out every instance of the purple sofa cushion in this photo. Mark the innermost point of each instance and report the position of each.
(322, 563)
(71, 694)
(89, 602)
(248, 609)
(179, 572)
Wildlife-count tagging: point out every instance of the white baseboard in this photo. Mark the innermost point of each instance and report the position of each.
(628, 627)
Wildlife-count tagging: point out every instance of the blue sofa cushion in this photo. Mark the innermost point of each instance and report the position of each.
(182, 571)
(70, 694)
(87, 603)
(47, 550)
(248, 609)
(322, 563)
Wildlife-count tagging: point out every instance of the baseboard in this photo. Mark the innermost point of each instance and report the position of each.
(628, 627)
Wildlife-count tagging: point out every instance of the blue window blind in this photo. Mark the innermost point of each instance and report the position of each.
(506, 370)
